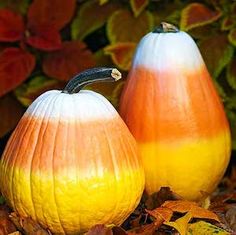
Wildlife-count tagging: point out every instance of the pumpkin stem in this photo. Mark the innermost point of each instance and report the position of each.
(166, 28)
(89, 76)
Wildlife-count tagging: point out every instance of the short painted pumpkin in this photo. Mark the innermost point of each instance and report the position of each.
(173, 110)
(71, 161)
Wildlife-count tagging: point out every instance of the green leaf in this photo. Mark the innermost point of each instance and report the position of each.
(231, 73)
(232, 36)
(232, 120)
(2, 200)
(227, 23)
(124, 27)
(28, 92)
(197, 14)
(121, 54)
(102, 59)
(204, 228)
(216, 52)
(101, 2)
(138, 6)
(20, 6)
(90, 17)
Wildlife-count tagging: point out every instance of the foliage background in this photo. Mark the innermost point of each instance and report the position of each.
(43, 43)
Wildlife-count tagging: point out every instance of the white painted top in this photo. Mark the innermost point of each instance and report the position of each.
(85, 105)
(161, 51)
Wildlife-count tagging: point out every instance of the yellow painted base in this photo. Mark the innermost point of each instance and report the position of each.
(186, 166)
(69, 205)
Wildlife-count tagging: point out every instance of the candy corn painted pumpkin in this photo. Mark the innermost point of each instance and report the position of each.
(172, 108)
(71, 162)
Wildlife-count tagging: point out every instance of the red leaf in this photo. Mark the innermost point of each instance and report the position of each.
(44, 38)
(197, 14)
(15, 66)
(72, 58)
(55, 13)
(11, 26)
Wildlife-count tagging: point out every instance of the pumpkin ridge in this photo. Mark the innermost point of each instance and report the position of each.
(114, 165)
(57, 205)
(123, 144)
(40, 134)
(31, 118)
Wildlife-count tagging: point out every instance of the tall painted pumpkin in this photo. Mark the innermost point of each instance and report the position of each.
(173, 110)
(71, 162)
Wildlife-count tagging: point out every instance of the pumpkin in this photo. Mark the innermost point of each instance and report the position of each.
(174, 112)
(71, 162)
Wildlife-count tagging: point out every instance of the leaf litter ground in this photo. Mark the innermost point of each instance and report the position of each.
(162, 213)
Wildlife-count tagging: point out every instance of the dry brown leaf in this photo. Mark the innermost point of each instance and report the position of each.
(27, 225)
(183, 206)
(161, 214)
(157, 199)
(99, 229)
(148, 229)
(230, 217)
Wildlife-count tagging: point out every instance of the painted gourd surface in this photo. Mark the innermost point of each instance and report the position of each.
(72, 163)
(173, 110)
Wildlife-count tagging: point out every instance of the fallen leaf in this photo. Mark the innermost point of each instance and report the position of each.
(100, 229)
(71, 59)
(6, 226)
(118, 231)
(157, 199)
(91, 17)
(15, 66)
(181, 224)
(11, 112)
(161, 214)
(230, 217)
(11, 26)
(147, 229)
(197, 14)
(54, 13)
(28, 92)
(196, 211)
(204, 228)
(121, 54)
(15, 233)
(122, 26)
(138, 6)
(27, 225)
(216, 52)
